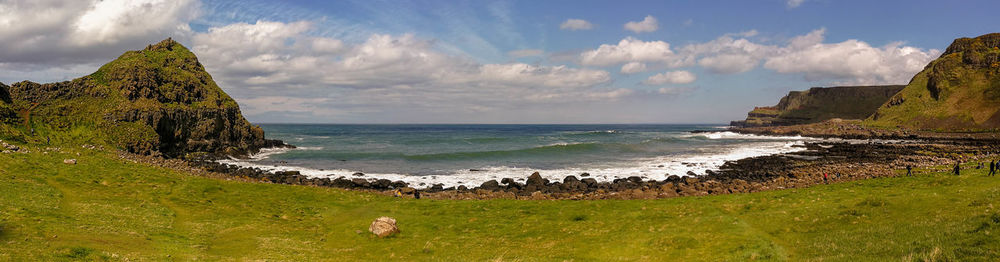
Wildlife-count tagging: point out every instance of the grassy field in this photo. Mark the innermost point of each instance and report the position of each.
(105, 208)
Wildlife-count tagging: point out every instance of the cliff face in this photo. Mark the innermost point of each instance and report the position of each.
(819, 104)
(959, 91)
(159, 100)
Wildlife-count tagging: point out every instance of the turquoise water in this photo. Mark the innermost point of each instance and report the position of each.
(465, 154)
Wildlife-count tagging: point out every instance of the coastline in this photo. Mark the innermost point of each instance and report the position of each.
(842, 160)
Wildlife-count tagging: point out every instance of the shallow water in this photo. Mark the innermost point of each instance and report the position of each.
(471, 154)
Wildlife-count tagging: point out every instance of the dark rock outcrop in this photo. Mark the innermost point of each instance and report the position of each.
(159, 100)
(820, 104)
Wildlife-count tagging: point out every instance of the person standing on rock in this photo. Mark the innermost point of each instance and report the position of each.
(826, 178)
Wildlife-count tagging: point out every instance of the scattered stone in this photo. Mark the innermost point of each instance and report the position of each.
(383, 227)
(69, 161)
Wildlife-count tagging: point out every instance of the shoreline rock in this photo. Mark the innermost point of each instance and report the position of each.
(841, 160)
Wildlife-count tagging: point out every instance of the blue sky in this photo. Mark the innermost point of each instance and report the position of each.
(499, 61)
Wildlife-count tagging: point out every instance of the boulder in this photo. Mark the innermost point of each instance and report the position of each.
(382, 183)
(536, 180)
(342, 182)
(492, 185)
(361, 182)
(383, 227)
(570, 179)
(69, 161)
(589, 181)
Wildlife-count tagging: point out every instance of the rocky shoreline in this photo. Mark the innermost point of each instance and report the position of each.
(841, 161)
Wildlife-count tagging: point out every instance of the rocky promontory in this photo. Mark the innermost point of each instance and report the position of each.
(820, 104)
(958, 91)
(154, 101)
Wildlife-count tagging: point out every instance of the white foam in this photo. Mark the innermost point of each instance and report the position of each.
(734, 135)
(657, 168)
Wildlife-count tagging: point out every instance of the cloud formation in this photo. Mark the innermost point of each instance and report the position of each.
(628, 50)
(851, 61)
(672, 77)
(576, 24)
(384, 70)
(648, 24)
(42, 33)
(633, 67)
(848, 62)
(794, 3)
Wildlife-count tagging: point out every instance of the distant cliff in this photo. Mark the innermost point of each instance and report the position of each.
(819, 104)
(159, 100)
(959, 91)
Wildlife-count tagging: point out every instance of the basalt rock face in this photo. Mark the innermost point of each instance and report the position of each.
(959, 91)
(820, 104)
(159, 100)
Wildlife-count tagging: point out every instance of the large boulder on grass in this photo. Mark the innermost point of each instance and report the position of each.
(383, 227)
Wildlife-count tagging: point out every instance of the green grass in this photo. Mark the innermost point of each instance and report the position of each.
(105, 208)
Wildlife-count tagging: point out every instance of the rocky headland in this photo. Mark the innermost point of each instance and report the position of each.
(154, 101)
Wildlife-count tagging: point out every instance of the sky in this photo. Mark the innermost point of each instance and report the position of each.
(552, 62)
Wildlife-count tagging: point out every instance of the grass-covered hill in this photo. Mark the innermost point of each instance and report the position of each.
(959, 91)
(109, 208)
(159, 100)
(820, 104)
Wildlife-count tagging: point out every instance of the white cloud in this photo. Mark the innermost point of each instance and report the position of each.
(629, 50)
(726, 55)
(672, 77)
(576, 24)
(633, 67)
(794, 3)
(65, 33)
(847, 62)
(648, 24)
(729, 63)
(525, 53)
(851, 61)
(275, 59)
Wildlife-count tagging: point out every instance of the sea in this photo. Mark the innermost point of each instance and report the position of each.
(453, 155)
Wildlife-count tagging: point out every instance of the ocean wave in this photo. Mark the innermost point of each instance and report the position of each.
(656, 168)
(734, 135)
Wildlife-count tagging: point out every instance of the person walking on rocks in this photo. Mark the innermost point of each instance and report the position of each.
(909, 170)
(957, 168)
